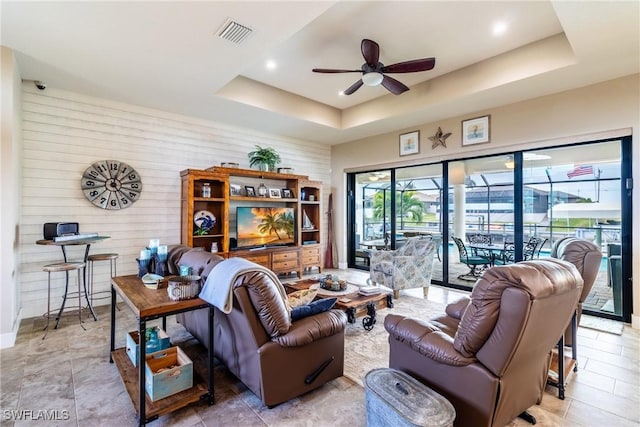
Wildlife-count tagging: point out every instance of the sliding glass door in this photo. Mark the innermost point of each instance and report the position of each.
(418, 195)
(371, 215)
(580, 191)
(505, 208)
(481, 215)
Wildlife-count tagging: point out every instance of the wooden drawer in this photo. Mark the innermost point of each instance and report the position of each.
(311, 260)
(285, 256)
(286, 266)
(262, 259)
(311, 256)
(315, 251)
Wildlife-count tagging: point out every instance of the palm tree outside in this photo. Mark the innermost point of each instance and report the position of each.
(409, 208)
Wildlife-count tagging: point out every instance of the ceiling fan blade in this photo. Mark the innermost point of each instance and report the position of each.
(329, 70)
(393, 85)
(354, 87)
(370, 52)
(413, 66)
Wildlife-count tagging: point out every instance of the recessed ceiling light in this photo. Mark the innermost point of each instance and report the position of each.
(271, 65)
(499, 28)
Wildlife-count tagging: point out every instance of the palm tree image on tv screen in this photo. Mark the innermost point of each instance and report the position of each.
(265, 226)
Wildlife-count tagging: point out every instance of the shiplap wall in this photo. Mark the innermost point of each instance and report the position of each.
(65, 132)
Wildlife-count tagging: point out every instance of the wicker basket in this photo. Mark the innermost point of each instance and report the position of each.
(183, 287)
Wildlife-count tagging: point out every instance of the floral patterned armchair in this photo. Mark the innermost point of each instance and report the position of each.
(407, 267)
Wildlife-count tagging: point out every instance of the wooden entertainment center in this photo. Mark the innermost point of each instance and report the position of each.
(228, 190)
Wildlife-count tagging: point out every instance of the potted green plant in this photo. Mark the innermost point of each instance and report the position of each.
(264, 158)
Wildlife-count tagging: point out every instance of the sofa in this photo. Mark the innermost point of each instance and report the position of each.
(276, 358)
(489, 354)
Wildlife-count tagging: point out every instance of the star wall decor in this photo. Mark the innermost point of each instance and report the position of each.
(439, 139)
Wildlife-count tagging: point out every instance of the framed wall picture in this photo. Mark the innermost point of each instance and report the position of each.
(287, 193)
(235, 189)
(476, 131)
(251, 192)
(275, 193)
(410, 143)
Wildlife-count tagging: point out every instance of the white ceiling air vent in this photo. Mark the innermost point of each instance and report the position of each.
(234, 32)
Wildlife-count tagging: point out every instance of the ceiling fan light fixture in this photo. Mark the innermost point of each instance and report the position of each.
(372, 79)
(374, 72)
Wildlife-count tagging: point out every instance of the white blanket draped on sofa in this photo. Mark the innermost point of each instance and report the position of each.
(218, 289)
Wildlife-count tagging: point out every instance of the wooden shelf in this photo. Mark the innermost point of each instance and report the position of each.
(262, 199)
(223, 205)
(129, 375)
(208, 199)
(250, 173)
(569, 363)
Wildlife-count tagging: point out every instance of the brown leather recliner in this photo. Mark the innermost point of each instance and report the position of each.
(277, 359)
(586, 257)
(489, 356)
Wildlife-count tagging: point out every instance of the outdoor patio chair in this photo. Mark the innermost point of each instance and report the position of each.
(532, 247)
(482, 239)
(507, 256)
(540, 246)
(529, 249)
(476, 263)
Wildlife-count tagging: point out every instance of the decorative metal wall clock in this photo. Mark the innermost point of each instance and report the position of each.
(111, 184)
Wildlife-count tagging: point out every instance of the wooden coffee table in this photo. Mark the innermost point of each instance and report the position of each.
(354, 304)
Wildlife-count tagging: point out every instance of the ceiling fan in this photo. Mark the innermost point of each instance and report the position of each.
(373, 71)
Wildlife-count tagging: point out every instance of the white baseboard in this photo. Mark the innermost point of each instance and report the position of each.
(8, 339)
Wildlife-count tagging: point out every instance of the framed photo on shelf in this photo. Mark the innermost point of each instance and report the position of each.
(287, 193)
(410, 143)
(275, 193)
(235, 189)
(251, 192)
(476, 131)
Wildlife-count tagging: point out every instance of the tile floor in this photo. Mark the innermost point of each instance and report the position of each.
(68, 376)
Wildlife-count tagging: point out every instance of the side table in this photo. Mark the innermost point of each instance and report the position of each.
(149, 304)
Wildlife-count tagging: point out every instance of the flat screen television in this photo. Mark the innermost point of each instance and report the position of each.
(265, 226)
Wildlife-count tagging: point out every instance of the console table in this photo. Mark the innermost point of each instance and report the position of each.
(149, 304)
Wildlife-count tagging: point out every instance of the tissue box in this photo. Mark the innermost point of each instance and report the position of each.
(167, 372)
(133, 340)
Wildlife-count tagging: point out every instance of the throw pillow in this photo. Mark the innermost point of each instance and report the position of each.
(302, 297)
(310, 309)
